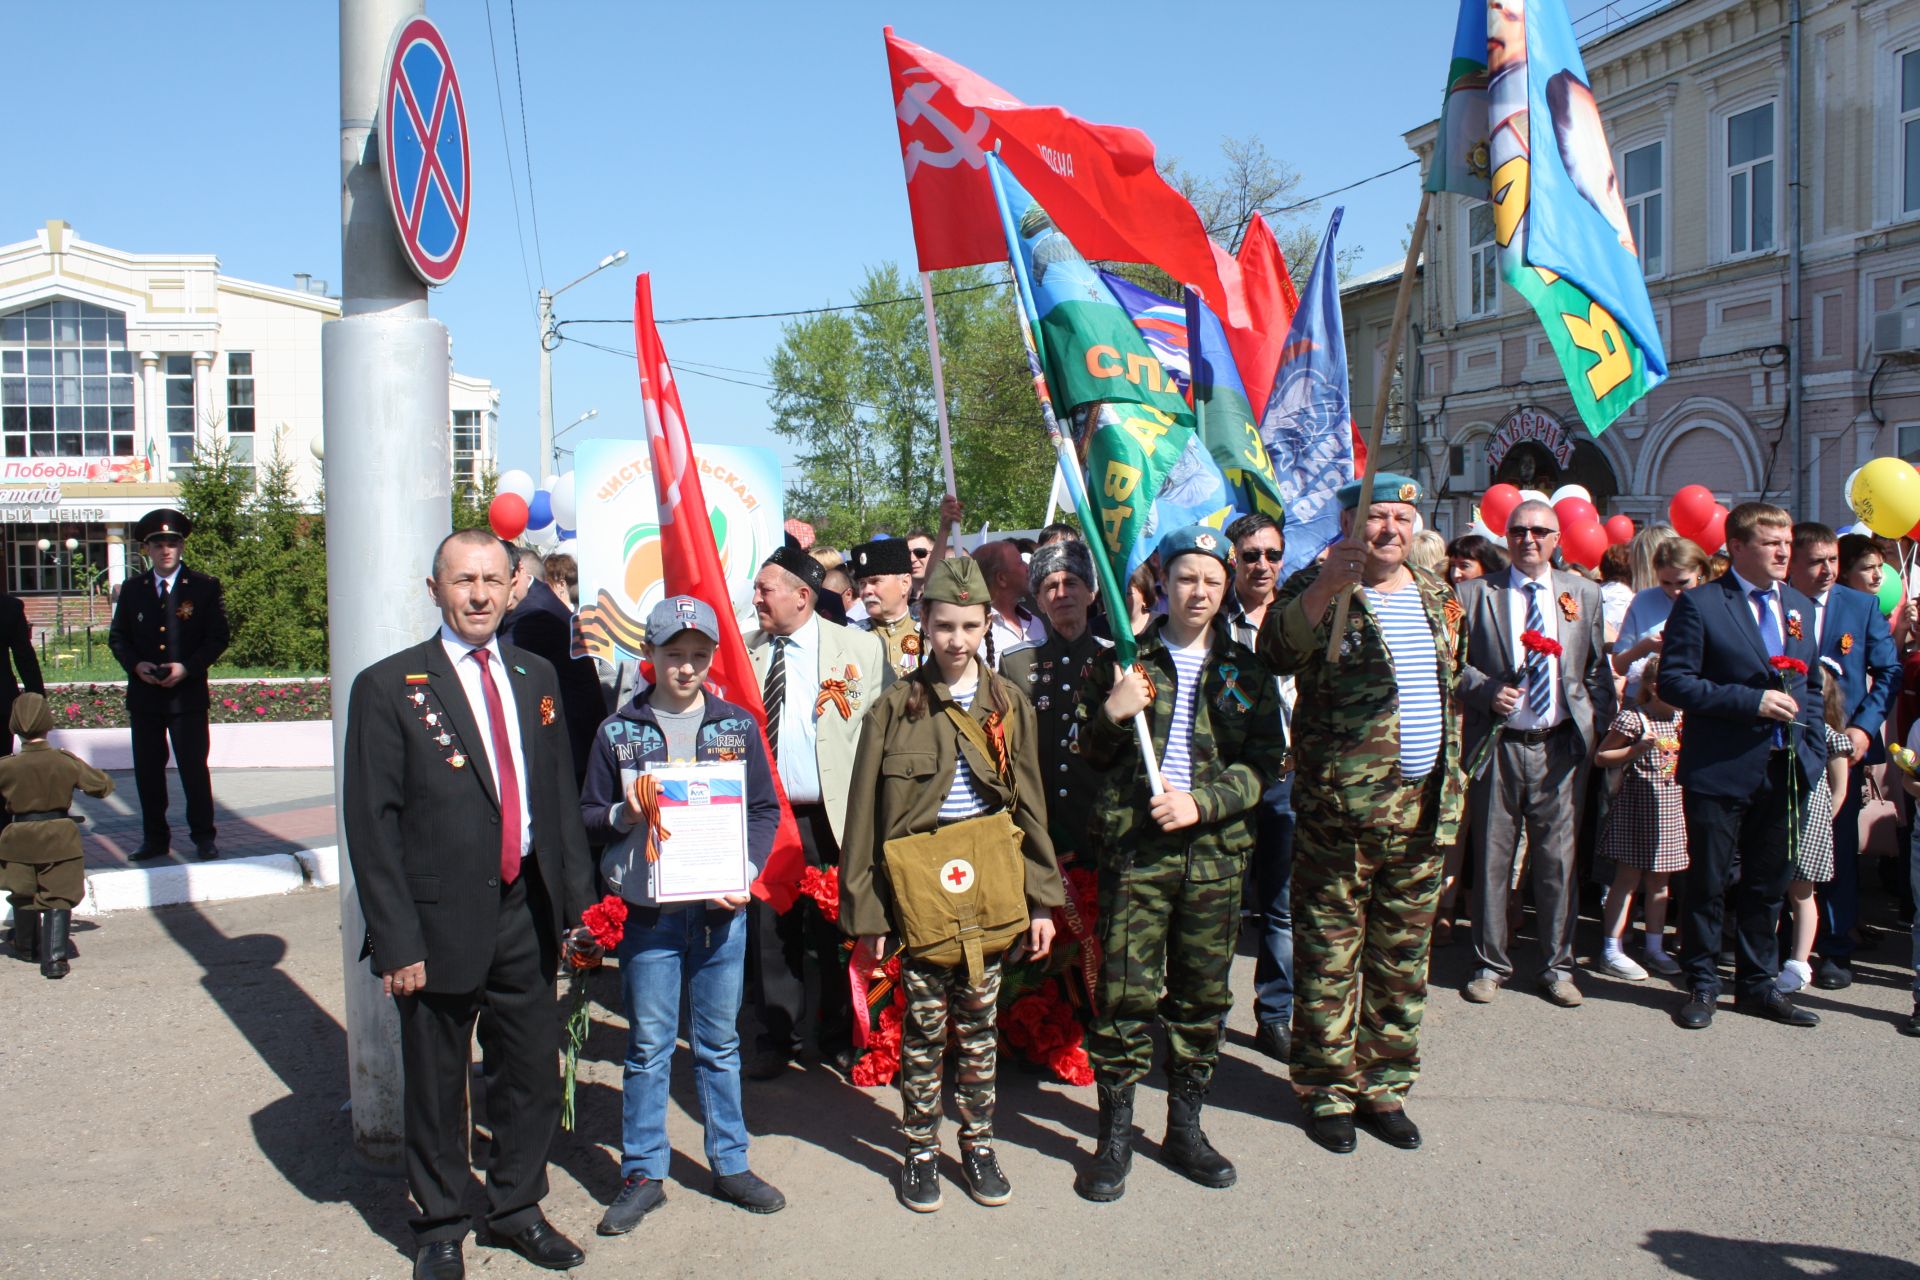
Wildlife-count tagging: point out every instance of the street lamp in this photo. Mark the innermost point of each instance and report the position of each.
(549, 340)
(59, 579)
(589, 414)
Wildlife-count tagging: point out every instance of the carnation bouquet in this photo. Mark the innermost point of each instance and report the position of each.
(606, 922)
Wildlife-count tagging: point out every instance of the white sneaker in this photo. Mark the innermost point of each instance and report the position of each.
(1662, 963)
(1794, 974)
(1618, 965)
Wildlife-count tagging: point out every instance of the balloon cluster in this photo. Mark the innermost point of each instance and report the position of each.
(1697, 516)
(546, 514)
(1583, 538)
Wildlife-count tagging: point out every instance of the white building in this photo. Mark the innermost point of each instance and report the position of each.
(113, 365)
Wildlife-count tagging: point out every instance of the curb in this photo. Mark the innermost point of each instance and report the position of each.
(138, 888)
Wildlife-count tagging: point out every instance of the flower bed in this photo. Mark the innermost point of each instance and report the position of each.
(104, 706)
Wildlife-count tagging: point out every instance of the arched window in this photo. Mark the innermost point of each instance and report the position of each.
(66, 382)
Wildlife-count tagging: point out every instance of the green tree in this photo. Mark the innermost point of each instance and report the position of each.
(470, 501)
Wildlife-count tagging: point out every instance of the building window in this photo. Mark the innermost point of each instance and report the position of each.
(469, 445)
(1467, 465)
(1750, 180)
(1483, 263)
(1910, 131)
(1644, 176)
(182, 412)
(31, 571)
(1907, 440)
(240, 419)
(66, 382)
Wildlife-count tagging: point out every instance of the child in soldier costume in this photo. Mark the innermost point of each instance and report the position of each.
(1379, 792)
(1171, 865)
(40, 854)
(946, 853)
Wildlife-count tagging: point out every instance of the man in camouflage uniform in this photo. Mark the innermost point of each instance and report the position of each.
(883, 575)
(1170, 865)
(1054, 675)
(1379, 792)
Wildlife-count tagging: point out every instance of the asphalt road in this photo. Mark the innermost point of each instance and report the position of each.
(175, 1109)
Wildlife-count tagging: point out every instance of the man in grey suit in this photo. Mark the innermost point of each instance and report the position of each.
(1549, 711)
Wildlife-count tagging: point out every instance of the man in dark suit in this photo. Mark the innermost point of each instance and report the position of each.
(463, 826)
(169, 627)
(1851, 630)
(541, 623)
(16, 639)
(1753, 747)
(1550, 712)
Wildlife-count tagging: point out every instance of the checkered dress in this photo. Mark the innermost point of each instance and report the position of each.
(1645, 825)
(1814, 856)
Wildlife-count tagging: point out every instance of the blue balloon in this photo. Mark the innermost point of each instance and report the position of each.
(540, 510)
(566, 534)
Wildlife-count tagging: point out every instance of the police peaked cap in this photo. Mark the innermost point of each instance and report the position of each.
(881, 556)
(800, 565)
(161, 521)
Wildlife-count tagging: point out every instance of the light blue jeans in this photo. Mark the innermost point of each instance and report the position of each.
(708, 955)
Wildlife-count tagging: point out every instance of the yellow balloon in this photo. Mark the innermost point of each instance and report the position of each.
(1886, 496)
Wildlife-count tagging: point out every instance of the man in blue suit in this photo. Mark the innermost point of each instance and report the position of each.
(1752, 749)
(1851, 630)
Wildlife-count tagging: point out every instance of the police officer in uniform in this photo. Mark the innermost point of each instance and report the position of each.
(169, 627)
(1053, 675)
(883, 575)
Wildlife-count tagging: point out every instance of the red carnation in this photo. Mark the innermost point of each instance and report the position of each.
(1789, 666)
(606, 920)
(1538, 642)
(823, 886)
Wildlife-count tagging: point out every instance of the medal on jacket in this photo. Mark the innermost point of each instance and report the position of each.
(457, 760)
(1232, 693)
(183, 610)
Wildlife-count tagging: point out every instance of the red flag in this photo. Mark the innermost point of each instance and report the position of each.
(1098, 181)
(1270, 304)
(691, 563)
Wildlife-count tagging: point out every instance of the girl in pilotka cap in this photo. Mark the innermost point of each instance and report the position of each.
(40, 853)
(946, 854)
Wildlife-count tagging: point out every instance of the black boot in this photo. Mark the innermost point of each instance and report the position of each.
(26, 935)
(1106, 1177)
(53, 943)
(1186, 1148)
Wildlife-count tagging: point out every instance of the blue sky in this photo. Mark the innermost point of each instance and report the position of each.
(744, 153)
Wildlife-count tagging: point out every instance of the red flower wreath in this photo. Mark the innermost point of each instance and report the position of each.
(823, 886)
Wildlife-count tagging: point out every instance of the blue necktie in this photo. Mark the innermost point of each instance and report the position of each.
(1769, 625)
(1539, 688)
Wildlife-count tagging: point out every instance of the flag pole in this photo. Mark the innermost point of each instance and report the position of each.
(1053, 497)
(939, 381)
(1402, 304)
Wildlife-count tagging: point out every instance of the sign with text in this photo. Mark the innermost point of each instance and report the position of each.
(1536, 425)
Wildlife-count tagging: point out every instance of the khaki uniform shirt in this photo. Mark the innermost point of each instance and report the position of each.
(40, 778)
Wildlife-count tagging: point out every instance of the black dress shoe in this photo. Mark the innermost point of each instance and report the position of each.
(1392, 1128)
(1335, 1133)
(1833, 975)
(541, 1245)
(206, 850)
(1911, 1027)
(439, 1261)
(1779, 1008)
(1274, 1040)
(149, 853)
(1696, 1014)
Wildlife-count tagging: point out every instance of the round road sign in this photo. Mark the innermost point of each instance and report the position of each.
(424, 152)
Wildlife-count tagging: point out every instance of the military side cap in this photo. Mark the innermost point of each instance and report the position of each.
(682, 613)
(31, 717)
(881, 556)
(1388, 486)
(956, 580)
(160, 522)
(1195, 539)
(800, 565)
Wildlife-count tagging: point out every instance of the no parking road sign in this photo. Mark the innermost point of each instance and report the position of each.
(424, 153)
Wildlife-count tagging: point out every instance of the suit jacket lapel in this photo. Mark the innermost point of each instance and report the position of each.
(1573, 636)
(1501, 599)
(525, 705)
(452, 697)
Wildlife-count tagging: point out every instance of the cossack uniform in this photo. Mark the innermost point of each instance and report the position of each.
(906, 647)
(1054, 676)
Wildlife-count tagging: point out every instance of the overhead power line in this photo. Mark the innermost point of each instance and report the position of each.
(526, 147)
(506, 145)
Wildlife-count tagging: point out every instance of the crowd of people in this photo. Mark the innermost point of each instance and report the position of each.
(1016, 844)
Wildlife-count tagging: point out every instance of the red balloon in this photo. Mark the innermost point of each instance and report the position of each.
(1691, 508)
(507, 514)
(1574, 511)
(1584, 544)
(1497, 505)
(1712, 535)
(1620, 529)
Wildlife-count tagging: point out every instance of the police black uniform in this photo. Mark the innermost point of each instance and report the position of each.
(183, 623)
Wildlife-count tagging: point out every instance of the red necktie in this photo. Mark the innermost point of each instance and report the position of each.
(508, 779)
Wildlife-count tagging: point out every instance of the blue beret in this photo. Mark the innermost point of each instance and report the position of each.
(1388, 486)
(1195, 538)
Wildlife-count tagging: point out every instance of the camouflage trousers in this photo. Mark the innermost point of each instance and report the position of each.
(1166, 949)
(1363, 908)
(937, 994)
(44, 886)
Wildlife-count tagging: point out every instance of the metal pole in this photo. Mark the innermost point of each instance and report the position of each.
(388, 471)
(1801, 506)
(939, 382)
(546, 386)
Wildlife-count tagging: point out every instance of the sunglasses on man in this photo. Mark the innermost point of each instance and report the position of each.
(1271, 555)
(1529, 531)
(919, 553)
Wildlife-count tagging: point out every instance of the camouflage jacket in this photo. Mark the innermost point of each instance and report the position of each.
(1346, 718)
(1236, 751)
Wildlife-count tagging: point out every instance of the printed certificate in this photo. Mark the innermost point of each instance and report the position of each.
(703, 811)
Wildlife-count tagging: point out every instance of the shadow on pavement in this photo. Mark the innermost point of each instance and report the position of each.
(1688, 1253)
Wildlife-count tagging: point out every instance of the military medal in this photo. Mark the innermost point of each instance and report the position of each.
(457, 760)
(1042, 703)
(445, 739)
(183, 610)
(433, 718)
(910, 644)
(546, 710)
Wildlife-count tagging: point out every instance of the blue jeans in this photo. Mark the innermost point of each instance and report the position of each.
(709, 955)
(1273, 885)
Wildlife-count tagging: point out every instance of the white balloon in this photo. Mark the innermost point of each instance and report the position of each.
(542, 538)
(563, 512)
(1480, 527)
(1534, 495)
(549, 482)
(516, 482)
(1846, 490)
(1570, 491)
